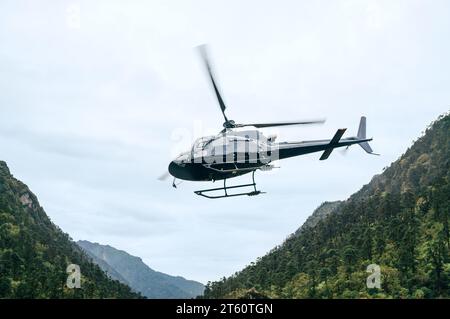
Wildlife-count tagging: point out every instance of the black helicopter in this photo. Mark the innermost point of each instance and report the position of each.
(241, 148)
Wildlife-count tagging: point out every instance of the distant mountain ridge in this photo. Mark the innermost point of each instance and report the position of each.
(134, 272)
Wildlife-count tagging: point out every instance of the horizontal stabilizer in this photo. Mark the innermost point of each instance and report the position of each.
(326, 154)
(337, 136)
(334, 141)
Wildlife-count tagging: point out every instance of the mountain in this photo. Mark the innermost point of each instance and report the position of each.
(399, 221)
(35, 253)
(319, 214)
(134, 272)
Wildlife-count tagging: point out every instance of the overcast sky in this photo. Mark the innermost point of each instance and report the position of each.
(97, 96)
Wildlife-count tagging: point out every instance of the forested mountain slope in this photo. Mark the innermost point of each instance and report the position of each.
(399, 221)
(34, 253)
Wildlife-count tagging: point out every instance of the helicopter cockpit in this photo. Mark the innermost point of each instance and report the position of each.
(199, 146)
(197, 150)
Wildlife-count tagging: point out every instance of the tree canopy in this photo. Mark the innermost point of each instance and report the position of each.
(399, 221)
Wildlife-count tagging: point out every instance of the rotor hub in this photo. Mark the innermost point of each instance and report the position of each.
(229, 124)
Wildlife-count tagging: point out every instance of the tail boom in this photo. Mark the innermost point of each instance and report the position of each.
(290, 149)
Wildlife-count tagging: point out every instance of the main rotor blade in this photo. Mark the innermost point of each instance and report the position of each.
(262, 125)
(204, 54)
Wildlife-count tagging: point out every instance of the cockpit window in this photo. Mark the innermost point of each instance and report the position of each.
(198, 148)
(202, 142)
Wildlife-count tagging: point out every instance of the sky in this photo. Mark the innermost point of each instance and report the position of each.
(98, 96)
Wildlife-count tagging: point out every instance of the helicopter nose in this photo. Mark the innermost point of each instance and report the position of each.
(174, 169)
(182, 171)
(178, 171)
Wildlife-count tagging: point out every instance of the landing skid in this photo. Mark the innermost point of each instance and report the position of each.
(255, 192)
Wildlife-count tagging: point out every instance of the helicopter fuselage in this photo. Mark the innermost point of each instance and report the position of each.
(233, 153)
(226, 155)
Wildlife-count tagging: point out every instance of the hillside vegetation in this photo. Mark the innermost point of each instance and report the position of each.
(34, 253)
(399, 221)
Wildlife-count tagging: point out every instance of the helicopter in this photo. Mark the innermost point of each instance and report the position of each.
(241, 149)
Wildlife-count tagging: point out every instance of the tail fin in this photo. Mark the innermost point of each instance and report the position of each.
(365, 146)
(362, 136)
(362, 128)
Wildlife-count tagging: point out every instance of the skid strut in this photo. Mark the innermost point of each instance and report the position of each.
(255, 192)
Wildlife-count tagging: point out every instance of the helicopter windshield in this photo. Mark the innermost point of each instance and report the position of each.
(201, 143)
(199, 146)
